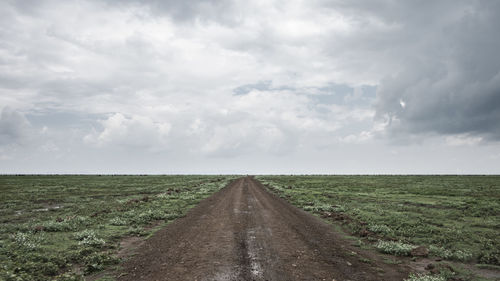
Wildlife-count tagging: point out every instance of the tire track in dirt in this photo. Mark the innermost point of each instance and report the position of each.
(245, 233)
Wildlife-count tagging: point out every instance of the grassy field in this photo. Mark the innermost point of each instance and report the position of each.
(455, 218)
(62, 227)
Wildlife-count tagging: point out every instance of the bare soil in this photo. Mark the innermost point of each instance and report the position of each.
(245, 233)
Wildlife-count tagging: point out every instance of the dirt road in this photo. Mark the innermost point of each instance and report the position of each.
(245, 233)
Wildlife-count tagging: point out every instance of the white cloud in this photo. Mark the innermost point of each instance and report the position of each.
(463, 139)
(362, 137)
(135, 132)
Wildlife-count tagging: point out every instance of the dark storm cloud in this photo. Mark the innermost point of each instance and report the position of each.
(447, 79)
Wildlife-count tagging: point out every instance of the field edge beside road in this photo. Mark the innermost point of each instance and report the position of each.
(453, 218)
(59, 227)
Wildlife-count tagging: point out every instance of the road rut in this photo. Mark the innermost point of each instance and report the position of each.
(243, 232)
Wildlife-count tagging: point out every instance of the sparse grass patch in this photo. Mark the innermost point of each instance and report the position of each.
(57, 226)
(98, 261)
(379, 228)
(422, 277)
(458, 255)
(49, 223)
(26, 241)
(394, 248)
(88, 238)
(455, 217)
(118, 221)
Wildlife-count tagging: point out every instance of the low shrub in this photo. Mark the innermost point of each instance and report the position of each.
(97, 261)
(55, 226)
(48, 268)
(489, 252)
(10, 275)
(26, 241)
(92, 242)
(458, 255)
(78, 254)
(422, 277)
(79, 220)
(318, 208)
(146, 216)
(136, 231)
(379, 228)
(118, 221)
(490, 257)
(84, 234)
(394, 248)
(89, 238)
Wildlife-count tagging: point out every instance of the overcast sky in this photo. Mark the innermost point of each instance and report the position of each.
(378, 86)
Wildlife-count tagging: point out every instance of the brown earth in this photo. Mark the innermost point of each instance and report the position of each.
(245, 233)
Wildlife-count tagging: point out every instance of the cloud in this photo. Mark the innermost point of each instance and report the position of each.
(272, 121)
(219, 80)
(260, 86)
(451, 86)
(184, 11)
(133, 132)
(14, 127)
(463, 139)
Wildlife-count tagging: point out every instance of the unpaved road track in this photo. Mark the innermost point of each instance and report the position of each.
(244, 233)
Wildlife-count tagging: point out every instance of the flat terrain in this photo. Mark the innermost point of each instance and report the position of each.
(456, 218)
(62, 227)
(195, 227)
(244, 232)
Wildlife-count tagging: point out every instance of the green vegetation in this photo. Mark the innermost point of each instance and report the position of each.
(425, 278)
(395, 248)
(453, 217)
(58, 227)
